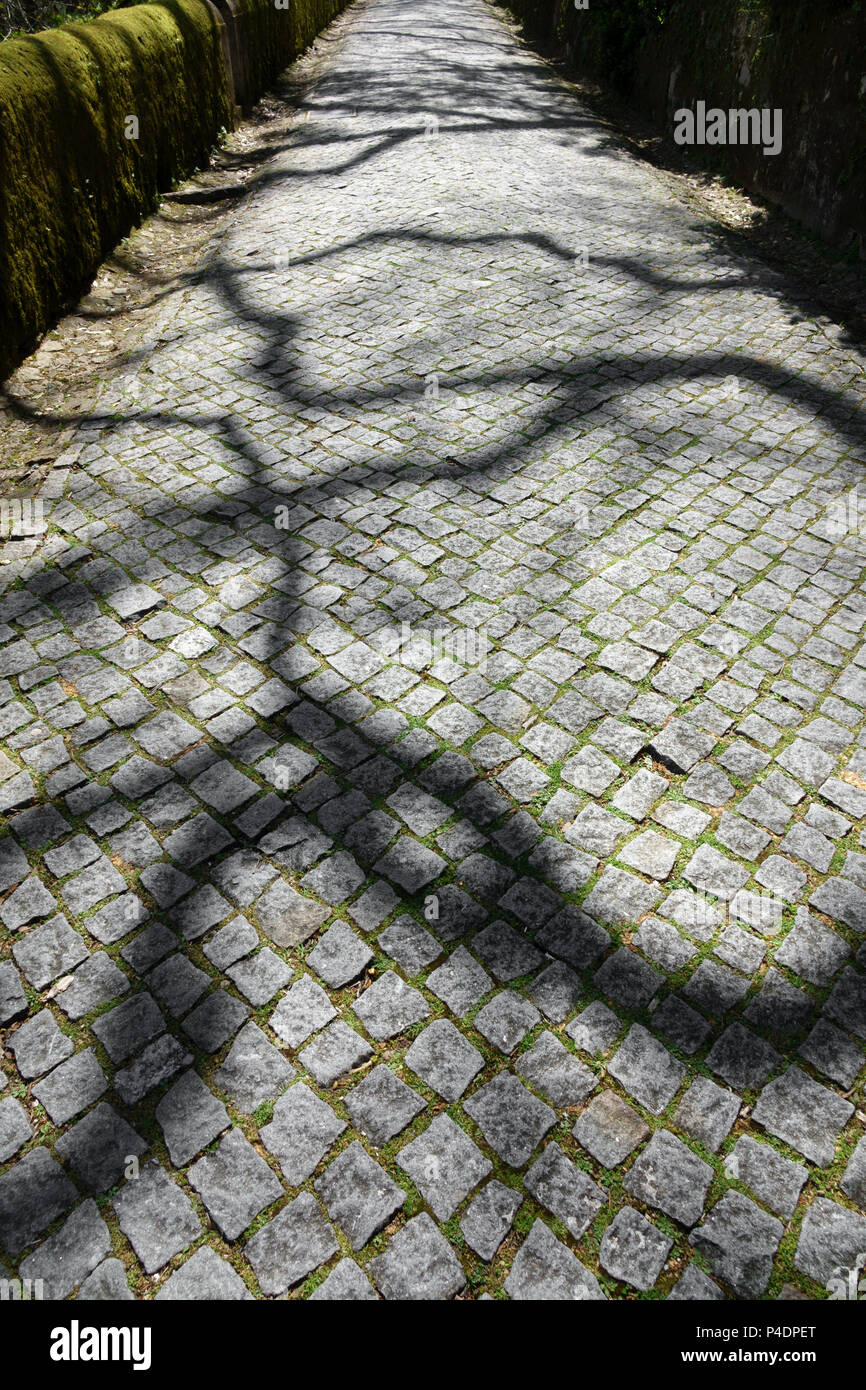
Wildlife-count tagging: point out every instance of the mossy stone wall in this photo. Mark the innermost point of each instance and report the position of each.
(273, 38)
(72, 181)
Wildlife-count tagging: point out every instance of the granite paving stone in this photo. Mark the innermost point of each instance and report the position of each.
(804, 1114)
(595, 1028)
(846, 1003)
(633, 1249)
(610, 1129)
(98, 1147)
(742, 1058)
(215, 1020)
(628, 980)
(663, 944)
(260, 976)
(506, 1020)
(418, 1265)
(832, 1239)
(254, 1071)
(301, 1132)
(707, 1113)
(694, 1286)
(303, 1010)
(410, 865)
(288, 917)
(98, 981)
(48, 951)
(65, 1259)
(177, 983)
(235, 1184)
(39, 1044)
(669, 1176)
(620, 897)
(382, 1105)
(390, 1006)
(681, 1025)
(506, 953)
(550, 1068)
(565, 1190)
(407, 942)
(556, 991)
(779, 1007)
(715, 988)
(71, 1087)
(205, 1275)
(833, 1052)
(359, 1195)
(190, 1116)
(345, 1283)
(34, 1191)
(843, 901)
(154, 1065)
(443, 1058)
(29, 901)
(13, 864)
(15, 1127)
(774, 1179)
(334, 879)
(545, 1269)
(156, 1216)
(651, 854)
(853, 1182)
(512, 1120)
(646, 1069)
(107, 1284)
(242, 877)
(339, 956)
(740, 1241)
(532, 902)
(336, 1051)
(13, 1000)
(231, 943)
(290, 1246)
(489, 1217)
(444, 1164)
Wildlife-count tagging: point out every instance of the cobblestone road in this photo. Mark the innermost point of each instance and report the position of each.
(435, 769)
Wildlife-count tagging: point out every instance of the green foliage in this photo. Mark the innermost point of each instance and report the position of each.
(609, 33)
(619, 27)
(29, 16)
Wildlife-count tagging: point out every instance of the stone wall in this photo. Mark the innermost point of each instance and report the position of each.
(804, 58)
(76, 174)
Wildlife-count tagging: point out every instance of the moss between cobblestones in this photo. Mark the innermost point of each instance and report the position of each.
(561, 1133)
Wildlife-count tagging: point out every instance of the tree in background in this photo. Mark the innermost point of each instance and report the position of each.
(29, 16)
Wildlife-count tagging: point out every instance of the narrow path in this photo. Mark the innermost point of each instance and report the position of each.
(434, 739)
